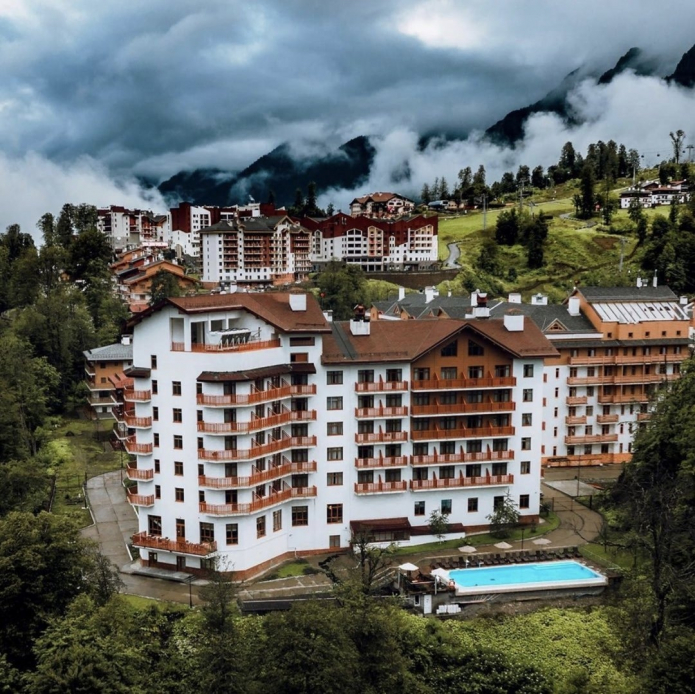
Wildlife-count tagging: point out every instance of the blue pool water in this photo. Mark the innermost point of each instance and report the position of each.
(556, 572)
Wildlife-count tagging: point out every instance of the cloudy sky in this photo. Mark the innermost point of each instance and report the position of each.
(95, 93)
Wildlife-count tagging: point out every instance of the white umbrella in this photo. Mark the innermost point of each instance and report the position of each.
(408, 567)
(467, 549)
(440, 573)
(541, 541)
(503, 545)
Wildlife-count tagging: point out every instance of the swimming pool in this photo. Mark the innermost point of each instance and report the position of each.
(519, 577)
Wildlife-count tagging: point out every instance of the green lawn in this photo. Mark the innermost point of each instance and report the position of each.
(299, 567)
(609, 557)
(144, 603)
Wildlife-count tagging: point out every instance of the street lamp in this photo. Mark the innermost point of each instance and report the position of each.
(190, 580)
(522, 536)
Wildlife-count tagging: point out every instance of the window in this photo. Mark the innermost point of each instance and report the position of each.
(157, 491)
(178, 416)
(527, 395)
(525, 467)
(180, 529)
(277, 520)
(155, 414)
(260, 527)
(528, 370)
(394, 375)
(524, 501)
(334, 428)
(527, 419)
(446, 506)
(232, 533)
(419, 508)
(299, 357)
(207, 532)
(475, 372)
(421, 374)
(155, 439)
(334, 403)
(178, 441)
(153, 361)
(473, 504)
(178, 468)
(334, 541)
(446, 472)
(178, 494)
(450, 350)
(474, 349)
(497, 502)
(502, 371)
(449, 373)
(154, 525)
(526, 443)
(156, 465)
(334, 479)
(334, 513)
(155, 387)
(334, 378)
(334, 453)
(365, 376)
(302, 341)
(300, 515)
(176, 387)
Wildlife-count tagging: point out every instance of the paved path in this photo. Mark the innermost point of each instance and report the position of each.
(454, 253)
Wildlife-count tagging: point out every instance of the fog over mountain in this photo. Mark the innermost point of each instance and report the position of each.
(99, 95)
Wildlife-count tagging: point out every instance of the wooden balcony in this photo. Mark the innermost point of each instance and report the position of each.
(135, 448)
(164, 544)
(256, 478)
(461, 433)
(258, 504)
(382, 437)
(457, 458)
(399, 461)
(270, 422)
(255, 397)
(576, 400)
(135, 473)
(607, 418)
(136, 499)
(643, 416)
(380, 412)
(462, 408)
(250, 346)
(464, 383)
(595, 438)
(461, 482)
(380, 487)
(588, 380)
(621, 359)
(132, 395)
(138, 422)
(381, 386)
(258, 451)
(623, 398)
(575, 420)
(586, 460)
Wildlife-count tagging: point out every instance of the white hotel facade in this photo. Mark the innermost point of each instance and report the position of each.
(260, 431)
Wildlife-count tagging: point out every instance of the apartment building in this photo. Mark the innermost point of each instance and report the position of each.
(128, 228)
(101, 365)
(259, 431)
(654, 194)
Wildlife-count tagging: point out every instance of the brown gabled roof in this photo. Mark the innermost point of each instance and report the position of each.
(407, 340)
(272, 307)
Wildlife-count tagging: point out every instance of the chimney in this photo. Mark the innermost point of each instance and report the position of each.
(573, 306)
(126, 339)
(639, 282)
(474, 297)
(654, 280)
(430, 293)
(683, 300)
(539, 299)
(514, 298)
(514, 320)
(360, 324)
(328, 315)
(480, 310)
(298, 301)
(401, 293)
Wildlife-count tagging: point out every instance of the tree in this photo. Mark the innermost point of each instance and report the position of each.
(504, 517)
(538, 179)
(568, 160)
(64, 225)
(164, 284)
(507, 228)
(425, 195)
(488, 260)
(438, 524)
(372, 560)
(47, 226)
(89, 255)
(587, 195)
(330, 210)
(677, 139)
(341, 288)
(297, 208)
(311, 209)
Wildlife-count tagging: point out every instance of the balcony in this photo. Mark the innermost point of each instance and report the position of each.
(137, 448)
(643, 416)
(374, 412)
(462, 408)
(136, 499)
(135, 473)
(453, 458)
(132, 395)
(461, 433)
(461, 482)
(380, 487)
(164, 544)
(586, 460)
(258, 423)
(138, 422)
(464, 383)
(382, 437)
(621, 359)
(273, 473)
(644, 378)
(595, 438)
(258, 451)
(255, 397)
(587, 380)
(388, 461)
(576, 400)
(607, 418)
(623, 398)
(381, 386)
(250, 346)
(258, 504)
(575, 420)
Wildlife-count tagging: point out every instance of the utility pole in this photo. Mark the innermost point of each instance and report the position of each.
(484, 212)
(522, 183)
(623, 240)
(690, 152)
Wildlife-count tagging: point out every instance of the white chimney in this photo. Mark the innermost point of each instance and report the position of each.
(430, 293)
(514, 298)
(328, 315)
(401, 293)
(573, 306)
(360, 327)
(298, 301)
(474, 297)
(481, 310)
(639, 281)
(539, 299)
(654, 280)
(514, 321)
(683, 300)
(126, 339)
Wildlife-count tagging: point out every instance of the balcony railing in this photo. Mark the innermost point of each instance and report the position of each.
(620, 359)
(607, 418)
(133, 447)
(643, 416)
(255, 478)
(135, 473)
(381, 386)
(464, 383)
(258, 423)
(449, 482)
(373, 412)
(250, 346)
(575, 420)
(382, 437)
(387, 461)
(138, 422)
(380, 487)
(453, 458)
(136, 499)
(576, 400)
(595, 438)
(257, 504)
(586, 459)
(258, 396)
(461, 433)
(623, 398)
(164, 544)
(132, 395)
(258, 451)
(462, 408)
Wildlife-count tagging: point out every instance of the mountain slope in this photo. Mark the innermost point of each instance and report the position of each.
(684, 74)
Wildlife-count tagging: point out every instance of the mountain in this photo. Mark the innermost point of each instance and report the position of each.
(684, 74)
(346, 167)
(634, 60)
